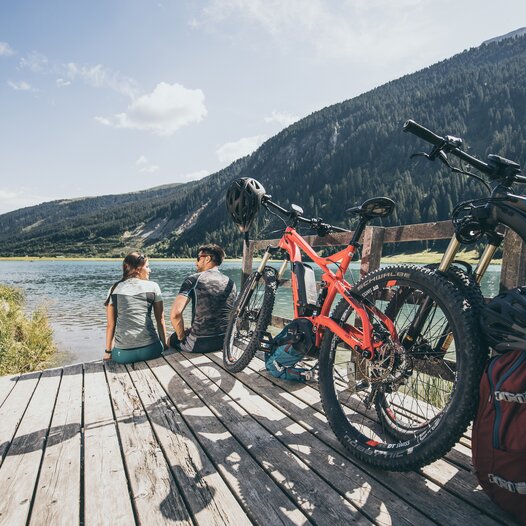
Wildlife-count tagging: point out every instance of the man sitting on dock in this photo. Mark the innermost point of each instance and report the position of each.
(212, 295)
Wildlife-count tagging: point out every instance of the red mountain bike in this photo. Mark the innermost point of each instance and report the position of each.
(397, 353)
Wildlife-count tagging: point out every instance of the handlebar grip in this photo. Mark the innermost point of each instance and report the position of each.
(418, 130)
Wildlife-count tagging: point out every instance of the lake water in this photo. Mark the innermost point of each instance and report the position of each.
(74, 292)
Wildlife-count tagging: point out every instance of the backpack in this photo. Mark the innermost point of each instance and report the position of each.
(300, 333)
(295, 341)
(499, 433)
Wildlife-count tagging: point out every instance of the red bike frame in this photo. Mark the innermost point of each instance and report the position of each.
(359, 339)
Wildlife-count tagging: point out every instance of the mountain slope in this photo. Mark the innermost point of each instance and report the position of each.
(326, 162)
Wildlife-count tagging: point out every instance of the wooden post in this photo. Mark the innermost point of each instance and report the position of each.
(513, 272)
(248, 258)
(373, 240)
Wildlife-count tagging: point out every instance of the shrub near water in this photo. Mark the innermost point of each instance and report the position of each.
(26, 342)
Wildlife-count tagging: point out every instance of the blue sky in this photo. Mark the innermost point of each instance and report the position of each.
(116, 96)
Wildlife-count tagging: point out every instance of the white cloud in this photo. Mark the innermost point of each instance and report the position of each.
(279, 117)
(97, 76)
(6, 50)
(36, 62)
(357, 29)
(103, 120)
(163, 111)
(231, 151)
(145, 166)
(20, 85)
(102, 77)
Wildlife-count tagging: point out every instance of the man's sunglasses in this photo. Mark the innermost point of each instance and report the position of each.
(199, 256)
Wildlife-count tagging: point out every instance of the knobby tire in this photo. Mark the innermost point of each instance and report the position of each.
(406, 425)
(249, 319)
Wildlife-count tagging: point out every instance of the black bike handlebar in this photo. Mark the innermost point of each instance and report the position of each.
(450, 147)
(315, 223)
(413, 127)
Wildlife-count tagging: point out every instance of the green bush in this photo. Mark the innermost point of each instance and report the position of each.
(26, 342)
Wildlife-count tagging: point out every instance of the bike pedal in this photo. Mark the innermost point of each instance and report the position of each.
(265, 342)
(362, 385)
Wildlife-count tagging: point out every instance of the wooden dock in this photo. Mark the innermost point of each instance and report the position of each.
(180, 440)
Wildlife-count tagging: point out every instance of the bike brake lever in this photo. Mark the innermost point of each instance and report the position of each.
(420, 154)
(443, 157)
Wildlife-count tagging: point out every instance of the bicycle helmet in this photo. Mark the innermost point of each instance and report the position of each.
(503, 321)
(243, 199)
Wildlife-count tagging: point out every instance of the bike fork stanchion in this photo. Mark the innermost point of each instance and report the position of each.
(282, 269)
(449, 255)
(427, 305)
(484, 262)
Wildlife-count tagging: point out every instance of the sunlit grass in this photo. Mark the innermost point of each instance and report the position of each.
(427, 256)
(26, 342)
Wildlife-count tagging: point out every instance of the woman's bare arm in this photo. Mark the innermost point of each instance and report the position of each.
(110, 326)
(158, 311)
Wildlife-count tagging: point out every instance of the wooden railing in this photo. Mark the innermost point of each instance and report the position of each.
(513, 272)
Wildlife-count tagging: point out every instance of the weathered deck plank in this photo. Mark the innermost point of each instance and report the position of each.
(57, 496)
(374, 500)
(21, 465)
(156, 497)
(261, 498)
(12, 410)
(432, 501)
(208, 497)
(7, 383)
(180, 440)
(310, 492)
(105, 483)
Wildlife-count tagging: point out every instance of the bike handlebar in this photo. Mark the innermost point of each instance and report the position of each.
(413, 127)
(315, 223)
(448, 144)
(451, 145)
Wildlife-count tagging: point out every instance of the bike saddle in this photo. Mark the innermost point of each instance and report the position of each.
(374, 207)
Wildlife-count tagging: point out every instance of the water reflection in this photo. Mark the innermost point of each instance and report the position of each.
(74, 292)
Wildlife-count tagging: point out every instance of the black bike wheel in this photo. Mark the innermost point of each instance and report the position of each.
(249, 318)
(411, 404)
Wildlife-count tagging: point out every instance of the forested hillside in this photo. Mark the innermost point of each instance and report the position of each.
(326, 162)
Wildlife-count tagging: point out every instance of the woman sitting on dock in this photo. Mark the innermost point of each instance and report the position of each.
(130, 333)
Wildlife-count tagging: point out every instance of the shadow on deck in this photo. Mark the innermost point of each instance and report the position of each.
(180, 440)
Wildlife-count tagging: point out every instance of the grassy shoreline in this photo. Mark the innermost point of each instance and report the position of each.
(26, 341)
(427, 257)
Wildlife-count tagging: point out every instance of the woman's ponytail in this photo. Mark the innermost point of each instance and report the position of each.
(131, 268)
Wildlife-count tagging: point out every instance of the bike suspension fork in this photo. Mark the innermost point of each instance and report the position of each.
(485, 260)
(449, 254)
(427, 304)
(282, 269)
(256, 277)
(264, 261)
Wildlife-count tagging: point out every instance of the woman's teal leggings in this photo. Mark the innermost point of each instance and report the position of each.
(138, 354)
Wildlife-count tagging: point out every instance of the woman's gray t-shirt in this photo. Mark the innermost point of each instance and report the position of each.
(133, 300)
